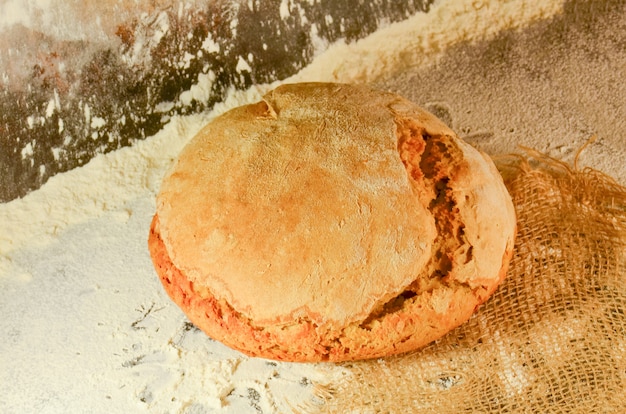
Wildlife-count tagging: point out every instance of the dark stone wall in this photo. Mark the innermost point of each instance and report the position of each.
(76, 99)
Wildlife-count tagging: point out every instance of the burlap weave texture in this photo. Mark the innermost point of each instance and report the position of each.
(552, 339)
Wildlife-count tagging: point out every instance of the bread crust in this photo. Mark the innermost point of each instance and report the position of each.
(329, 223)
(412, 326)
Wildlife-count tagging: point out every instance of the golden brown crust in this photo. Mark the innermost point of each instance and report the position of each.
(330, 222)
(408, 328)
(305, 192)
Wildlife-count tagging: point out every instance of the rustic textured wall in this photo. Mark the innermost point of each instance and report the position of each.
(64, 99)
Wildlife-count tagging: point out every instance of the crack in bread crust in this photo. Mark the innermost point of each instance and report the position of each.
(430, 163)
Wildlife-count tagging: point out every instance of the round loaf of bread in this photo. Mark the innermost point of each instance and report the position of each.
(330, 222)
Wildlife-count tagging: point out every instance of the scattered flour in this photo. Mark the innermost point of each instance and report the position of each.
(420, 39)
(87, 325)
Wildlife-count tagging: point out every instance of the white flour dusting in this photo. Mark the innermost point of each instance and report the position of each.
(86, 324)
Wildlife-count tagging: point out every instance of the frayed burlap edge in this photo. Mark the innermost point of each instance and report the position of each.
(553, 336)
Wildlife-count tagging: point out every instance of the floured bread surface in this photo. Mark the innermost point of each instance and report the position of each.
(330, 222)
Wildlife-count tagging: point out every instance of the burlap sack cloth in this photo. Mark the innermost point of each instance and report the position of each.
(553, 336)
